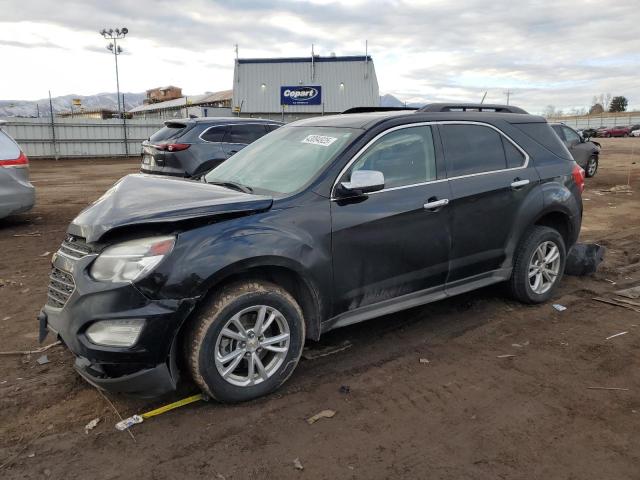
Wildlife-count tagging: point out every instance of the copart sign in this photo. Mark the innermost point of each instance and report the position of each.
(301, 95)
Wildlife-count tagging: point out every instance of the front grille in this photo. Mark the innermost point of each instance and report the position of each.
(61, 287)
(75, 248)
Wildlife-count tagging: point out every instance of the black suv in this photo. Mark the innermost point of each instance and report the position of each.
(191, 147)
(323, 223)
(586, 153)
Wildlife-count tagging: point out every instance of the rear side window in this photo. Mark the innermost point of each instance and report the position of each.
(168, 132)
(558, 130)
(215, 134)
(405, 157)
(570, 136)
(245, 133)
(8, 148)
(541, 132)
(472, 149)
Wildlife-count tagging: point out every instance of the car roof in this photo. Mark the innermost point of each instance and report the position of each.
(222, 120)
(367, 120)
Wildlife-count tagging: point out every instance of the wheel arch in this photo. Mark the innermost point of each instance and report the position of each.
(281, 271)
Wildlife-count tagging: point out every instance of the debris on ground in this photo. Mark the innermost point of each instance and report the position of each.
(45, 254)
(424, 360)
(43, 360)
(616, 335)
(33, 234)
(558, 307)
(298, 464)
(319, 415)
(345, 389)
(129, 422)
(508, 355)
(609, 388)
(310, 354)
(31, 352)
(91, 425)
(632, 293)
(617, 303)
(626, 189)
(584, 258)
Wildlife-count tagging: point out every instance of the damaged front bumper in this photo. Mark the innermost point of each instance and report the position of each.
(148, 368)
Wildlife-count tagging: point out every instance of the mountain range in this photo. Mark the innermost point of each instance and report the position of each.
(34, 108)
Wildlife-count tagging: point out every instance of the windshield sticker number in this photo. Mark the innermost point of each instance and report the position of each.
(319, 140)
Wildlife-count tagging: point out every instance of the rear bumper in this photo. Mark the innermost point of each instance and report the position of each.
(158, 170)
(16, 197)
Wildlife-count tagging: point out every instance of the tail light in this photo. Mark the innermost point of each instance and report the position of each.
(172, 147)
(21, 161)
(578, 177)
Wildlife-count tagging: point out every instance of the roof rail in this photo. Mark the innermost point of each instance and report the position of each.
(471, 107)
(378, 109)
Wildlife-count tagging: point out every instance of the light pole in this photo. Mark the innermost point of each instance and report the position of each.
(114, 36)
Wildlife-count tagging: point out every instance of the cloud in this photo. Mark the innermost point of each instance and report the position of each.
(19, 44)
(544, 51)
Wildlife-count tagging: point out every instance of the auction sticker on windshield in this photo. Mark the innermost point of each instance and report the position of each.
(319, 140)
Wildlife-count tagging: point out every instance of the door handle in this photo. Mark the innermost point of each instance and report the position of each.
(436, 204)
(517, 183)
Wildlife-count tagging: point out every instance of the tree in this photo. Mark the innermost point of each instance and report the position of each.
(596, 108)
(618, 104)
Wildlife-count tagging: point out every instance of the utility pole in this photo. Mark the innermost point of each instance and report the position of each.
(113, 47)
(508, 93)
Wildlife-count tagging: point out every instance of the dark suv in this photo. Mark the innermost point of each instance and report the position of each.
(191, 147)
(586, 153)
(323, 223)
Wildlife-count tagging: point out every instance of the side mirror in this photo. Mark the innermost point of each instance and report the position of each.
(364, 181)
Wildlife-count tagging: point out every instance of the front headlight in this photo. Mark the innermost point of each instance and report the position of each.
(129, 261)
(115, 333)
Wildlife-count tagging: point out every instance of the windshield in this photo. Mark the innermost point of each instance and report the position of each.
(284, 160)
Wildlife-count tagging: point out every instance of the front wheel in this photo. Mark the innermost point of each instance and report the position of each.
(538, 265)
(246, 342)
(592, 167)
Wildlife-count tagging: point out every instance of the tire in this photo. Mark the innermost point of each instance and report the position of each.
(206, 343)
(520, 284)
(625, 135)
(591, 167)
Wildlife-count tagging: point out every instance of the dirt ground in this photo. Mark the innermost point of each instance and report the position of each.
(466, 414)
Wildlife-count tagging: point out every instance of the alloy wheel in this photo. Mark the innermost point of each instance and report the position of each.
(252, 346)
(592, 167)
(544, 267)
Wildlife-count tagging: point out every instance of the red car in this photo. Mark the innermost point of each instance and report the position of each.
(618, 131)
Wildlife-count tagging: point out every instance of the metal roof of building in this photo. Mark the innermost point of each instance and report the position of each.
(189, 100)
(316, 58)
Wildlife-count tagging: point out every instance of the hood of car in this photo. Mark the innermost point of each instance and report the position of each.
(146, 199)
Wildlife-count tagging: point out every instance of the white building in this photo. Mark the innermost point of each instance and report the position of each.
(292, 88)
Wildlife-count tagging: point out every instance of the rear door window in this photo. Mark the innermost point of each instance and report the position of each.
(215, 134)
(472, 149)
(245, 134)
(8, 148)
(542, 133)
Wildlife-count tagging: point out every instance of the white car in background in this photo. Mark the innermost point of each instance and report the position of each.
(17, 195)
(635, 133)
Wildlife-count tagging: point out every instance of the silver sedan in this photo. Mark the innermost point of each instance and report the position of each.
(17, 195)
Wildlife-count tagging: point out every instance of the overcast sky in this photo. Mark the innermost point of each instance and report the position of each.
(559, 52)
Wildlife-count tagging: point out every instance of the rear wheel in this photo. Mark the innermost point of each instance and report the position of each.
(538, 265)
(246, 342)
(592, 166)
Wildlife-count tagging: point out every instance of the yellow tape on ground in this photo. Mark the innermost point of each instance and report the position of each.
(171, 406)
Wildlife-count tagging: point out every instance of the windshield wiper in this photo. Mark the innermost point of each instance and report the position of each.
(233, 186)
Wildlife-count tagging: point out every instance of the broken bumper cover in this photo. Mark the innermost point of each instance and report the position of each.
(148, 368)
(148, 382)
